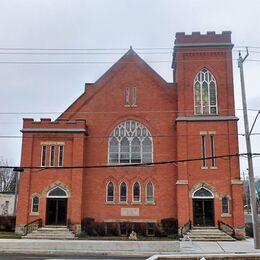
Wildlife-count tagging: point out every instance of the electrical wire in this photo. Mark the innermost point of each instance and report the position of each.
(126, 165)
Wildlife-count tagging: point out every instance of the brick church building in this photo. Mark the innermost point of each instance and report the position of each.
(135, 148)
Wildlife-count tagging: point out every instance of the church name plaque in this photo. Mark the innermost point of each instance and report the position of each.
(130, 212)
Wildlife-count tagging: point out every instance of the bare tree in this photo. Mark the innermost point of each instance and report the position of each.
(7, 177)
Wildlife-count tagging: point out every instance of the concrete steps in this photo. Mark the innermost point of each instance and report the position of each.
(208, 234)
(51, 232)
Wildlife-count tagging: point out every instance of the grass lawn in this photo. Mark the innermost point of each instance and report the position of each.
(9, 235)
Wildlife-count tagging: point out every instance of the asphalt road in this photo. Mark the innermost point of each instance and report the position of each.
(4, 256)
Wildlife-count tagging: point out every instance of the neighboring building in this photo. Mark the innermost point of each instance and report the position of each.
(133, 116)
(7, 204)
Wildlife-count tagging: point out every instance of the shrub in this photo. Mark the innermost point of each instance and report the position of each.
(88, 226)
(169, 226)
(7, 223)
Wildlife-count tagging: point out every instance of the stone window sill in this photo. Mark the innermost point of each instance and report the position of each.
(226, 215)
(34, 214)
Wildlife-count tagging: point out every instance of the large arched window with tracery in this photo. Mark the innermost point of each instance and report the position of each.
(130, 142)
(205, 93)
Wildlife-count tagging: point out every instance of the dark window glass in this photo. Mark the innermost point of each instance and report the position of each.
(52, 153)
(43, 159)
(203, 146)
(61, 151)
(136, 192)
(123, 192)
(110, 192)
(202, 193)
(149, 192)
(225, 203)
(35, 204)
(57, 192)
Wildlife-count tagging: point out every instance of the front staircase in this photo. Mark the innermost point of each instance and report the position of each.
(51, 232)
(208, 234)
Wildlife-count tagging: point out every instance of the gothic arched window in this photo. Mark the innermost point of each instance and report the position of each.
(149, 192)
(136, 192)
(110, 192)
(205, 93)
(123, 192)
(130, 142)
(35, 204)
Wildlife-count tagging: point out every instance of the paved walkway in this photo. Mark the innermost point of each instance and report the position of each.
(204, 249)
(169, 249)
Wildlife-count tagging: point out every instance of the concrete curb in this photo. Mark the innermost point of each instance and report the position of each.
(205, 255)
(89, 246)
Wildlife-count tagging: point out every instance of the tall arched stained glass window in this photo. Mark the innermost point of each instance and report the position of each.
(130, 142)
(149, 192)
(123, 192)
(136, 192)
(205, 93)
(110, 192)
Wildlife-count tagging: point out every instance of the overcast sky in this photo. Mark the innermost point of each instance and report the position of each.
(108, 24)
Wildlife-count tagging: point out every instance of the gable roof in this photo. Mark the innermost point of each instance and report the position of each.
(129, 57)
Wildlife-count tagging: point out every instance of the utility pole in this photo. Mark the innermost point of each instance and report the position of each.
(249, 155)
(16, 171)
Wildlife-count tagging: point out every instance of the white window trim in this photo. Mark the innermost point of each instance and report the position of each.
(62, 156)
(203, 150)
(228, 201)
(141, 151)
(140, 193)
(202, 197)
(110, 202)
(42, 155)
(48, 196)
(35, 212)
(216, 93)
(212, 152)
(146, 190)
(120, 201)
(134, 96)
(51, 156)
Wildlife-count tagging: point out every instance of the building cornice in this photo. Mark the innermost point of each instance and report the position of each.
(53, 130)
(205, 118)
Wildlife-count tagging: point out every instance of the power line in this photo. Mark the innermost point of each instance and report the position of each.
(116, 112)
(127, 165)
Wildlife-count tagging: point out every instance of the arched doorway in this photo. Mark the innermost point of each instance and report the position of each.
(56, 208)
(203, 207)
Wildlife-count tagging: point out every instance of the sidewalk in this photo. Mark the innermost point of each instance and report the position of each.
(88, 246)
(210, 249)
(155, 249)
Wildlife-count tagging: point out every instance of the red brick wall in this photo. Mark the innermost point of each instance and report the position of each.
(102, 107)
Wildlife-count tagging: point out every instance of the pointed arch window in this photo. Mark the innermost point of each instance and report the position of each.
(35, 204)
(110, 192)
(57, 192)
(123, 192)
(130, 142)
(205, 93)
(136, 192)
(149, 192)
(203, 193)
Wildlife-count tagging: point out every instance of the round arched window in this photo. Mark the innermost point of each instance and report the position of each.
(130, 142)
